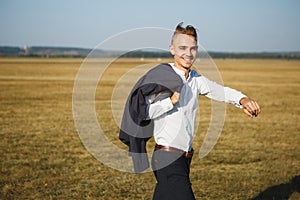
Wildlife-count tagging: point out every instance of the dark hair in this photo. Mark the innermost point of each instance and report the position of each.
(188, 30)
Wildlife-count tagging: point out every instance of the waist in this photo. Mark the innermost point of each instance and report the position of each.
(187, 154)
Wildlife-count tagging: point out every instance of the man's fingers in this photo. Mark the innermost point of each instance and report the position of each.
(247, 112)
(251, 107)
(255, 108)
(175, 98)
(258, 108)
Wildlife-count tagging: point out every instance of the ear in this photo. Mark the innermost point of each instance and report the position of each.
(172, 50)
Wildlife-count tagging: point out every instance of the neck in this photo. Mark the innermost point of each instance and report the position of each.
(186, 70)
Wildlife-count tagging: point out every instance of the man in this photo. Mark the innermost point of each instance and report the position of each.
(173, 113)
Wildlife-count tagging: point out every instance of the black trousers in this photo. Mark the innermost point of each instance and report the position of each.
(172, 172)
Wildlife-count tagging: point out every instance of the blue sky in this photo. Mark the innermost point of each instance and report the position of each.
(224, 25)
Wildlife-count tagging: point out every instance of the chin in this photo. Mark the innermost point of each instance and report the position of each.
(187, 66)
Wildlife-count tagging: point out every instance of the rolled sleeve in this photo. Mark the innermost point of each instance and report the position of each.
(233, 96)
(159, 108)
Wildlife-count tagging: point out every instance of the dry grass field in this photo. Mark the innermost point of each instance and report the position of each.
(42, 156)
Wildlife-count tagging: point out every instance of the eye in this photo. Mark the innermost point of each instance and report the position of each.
(182, 47)
(194, 48)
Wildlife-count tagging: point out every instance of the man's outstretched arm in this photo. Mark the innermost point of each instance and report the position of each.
(225, 94)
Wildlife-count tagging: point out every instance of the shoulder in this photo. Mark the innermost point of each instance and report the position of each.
(162, 66)
(163, 71)
(195, 77)
(194, 74)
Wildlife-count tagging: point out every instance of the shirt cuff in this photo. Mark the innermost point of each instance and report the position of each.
(238, 100)
(167, 104)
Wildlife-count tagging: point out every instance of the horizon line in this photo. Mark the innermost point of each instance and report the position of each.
(88, 48)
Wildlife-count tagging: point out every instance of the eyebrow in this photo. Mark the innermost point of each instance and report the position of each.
(196, 46)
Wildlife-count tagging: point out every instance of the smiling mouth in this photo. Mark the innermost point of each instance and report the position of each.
(188, 60)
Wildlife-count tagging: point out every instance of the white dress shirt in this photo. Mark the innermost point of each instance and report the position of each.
(174, 124)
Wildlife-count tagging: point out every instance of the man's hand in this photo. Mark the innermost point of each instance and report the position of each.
(175, 98)
(250, 107)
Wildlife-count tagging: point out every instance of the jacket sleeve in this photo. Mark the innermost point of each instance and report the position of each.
(136, 128)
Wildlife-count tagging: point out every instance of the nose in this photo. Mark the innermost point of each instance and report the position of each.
(188, 52)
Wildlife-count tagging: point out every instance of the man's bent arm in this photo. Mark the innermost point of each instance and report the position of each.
(158, 108)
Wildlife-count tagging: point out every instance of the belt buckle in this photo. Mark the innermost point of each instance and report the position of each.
(188, 154)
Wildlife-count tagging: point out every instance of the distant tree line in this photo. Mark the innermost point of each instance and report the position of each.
(69, 52)
(260, 55)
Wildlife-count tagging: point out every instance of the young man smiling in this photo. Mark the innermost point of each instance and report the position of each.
(164, 104)
(174, 118)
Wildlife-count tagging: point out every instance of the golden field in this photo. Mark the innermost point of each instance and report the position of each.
(42, 156)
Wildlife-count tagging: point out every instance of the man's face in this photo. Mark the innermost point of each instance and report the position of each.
(184, 48)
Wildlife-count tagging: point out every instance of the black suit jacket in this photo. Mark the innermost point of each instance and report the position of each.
(136, 129)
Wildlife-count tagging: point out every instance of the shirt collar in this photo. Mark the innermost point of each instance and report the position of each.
(178, 71)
